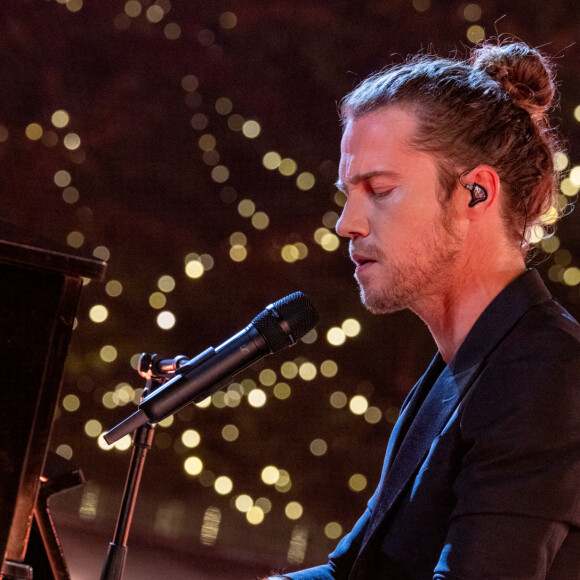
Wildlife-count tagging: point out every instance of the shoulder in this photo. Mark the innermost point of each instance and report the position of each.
(545, 338)
(549, 317)
(532, 374)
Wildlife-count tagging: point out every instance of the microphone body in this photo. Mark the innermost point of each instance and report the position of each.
(203, 375)
(280, 325)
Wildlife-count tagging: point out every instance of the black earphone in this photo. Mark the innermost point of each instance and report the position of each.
(478, 192)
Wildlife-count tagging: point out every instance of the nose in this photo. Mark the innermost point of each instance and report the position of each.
(353, 222)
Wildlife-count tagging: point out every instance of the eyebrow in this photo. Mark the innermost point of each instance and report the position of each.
(364, 177)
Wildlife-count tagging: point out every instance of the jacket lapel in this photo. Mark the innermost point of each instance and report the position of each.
(409, 409)
(427, 423)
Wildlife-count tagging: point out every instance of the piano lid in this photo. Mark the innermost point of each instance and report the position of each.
(18, 246)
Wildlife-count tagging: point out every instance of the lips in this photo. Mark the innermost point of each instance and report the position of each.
(362, 262)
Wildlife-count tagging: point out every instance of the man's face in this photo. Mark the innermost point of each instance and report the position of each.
(402, 240)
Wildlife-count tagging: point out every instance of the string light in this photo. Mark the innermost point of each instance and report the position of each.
(65, 451)
(193, 465)
(62, 178)
(270, 475)
(293, 510)
(93, 428)
(255, 515)
(357, 482)
(338, 400)
(333, 530)
(60, 119)
(298, 543)
(318, 447)
(34, 131)
(108, 353)
(223, 485)
(210, 526)
(472, 12)
(475, 33)
(98, 313)
(71, 403)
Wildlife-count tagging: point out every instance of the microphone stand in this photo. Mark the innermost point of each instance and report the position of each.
(142, 441)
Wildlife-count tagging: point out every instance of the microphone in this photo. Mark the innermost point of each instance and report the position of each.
(280, 325)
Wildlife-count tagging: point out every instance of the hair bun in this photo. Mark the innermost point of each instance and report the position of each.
(525, 75)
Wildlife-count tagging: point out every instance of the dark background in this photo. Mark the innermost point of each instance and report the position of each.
(146, 194)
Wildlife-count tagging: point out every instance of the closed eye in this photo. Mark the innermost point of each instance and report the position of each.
(382, 193)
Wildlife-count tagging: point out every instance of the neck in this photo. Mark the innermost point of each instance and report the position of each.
(451, 314)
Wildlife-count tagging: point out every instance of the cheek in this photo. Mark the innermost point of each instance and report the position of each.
(392, 219)
(400, 234)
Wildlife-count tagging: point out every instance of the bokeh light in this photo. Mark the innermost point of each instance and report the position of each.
(475, 33)
(255, 515)
(108, 353)
(228, 20)
(190, 438)
(472, 12)
(338, 400)
(333, 530)
(358, 404)
(166, 283)
(71, 403)
(270, 475)
(166, 320)
(238, 253)
(318, 447)
(60, 119)
(271, 160)
(223, 485)
(34, 131)
(336, 336)
(157, 300)
(357, 482)
(293, 510)
(193, 465)
(194, 269)
(329, 368)
(243, 503)
(287, 167)
(246, 208)
(70, 194)
(98, 313)
(62, 178)
(251, 129)
(305, 181)
(75, 239)
(307, 371)
(93, 428)
(230, 432)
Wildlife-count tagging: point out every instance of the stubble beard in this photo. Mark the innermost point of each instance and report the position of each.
(421, 274)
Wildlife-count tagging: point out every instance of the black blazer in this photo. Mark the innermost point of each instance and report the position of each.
(481, 477)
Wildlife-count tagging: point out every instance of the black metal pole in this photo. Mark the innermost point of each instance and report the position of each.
(117, 553)
(115, 562)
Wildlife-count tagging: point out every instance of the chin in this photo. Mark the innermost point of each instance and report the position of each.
(380, 303)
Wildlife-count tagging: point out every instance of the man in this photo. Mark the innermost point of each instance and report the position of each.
(447, 167)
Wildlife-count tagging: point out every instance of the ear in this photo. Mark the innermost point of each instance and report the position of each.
(480, 190)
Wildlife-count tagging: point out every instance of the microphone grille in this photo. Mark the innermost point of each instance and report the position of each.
(286, 321)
